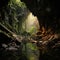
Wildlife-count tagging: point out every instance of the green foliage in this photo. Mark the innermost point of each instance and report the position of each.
(18, 3)
(32, 30)
(32, 46)
(14, 15)
(32, 51)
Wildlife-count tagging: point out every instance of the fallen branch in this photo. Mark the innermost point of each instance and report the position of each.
(14, 36)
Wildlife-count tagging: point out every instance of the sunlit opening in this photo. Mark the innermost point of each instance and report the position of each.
(31, 24)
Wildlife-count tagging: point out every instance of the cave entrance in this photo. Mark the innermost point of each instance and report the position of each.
(31, 24)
